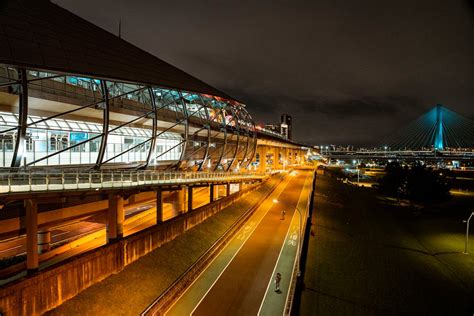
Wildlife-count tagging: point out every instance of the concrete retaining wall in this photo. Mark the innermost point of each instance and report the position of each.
(49, 288)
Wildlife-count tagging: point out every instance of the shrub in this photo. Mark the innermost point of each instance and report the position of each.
(416, 183)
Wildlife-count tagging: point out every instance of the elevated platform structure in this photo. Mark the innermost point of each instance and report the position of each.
(104, 103)
(89, 119)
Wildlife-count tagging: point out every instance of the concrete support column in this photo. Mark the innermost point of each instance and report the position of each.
(115, 217)
(159, 206)
(227, 189)
(262, 153)
(240, 186)
(190, 198)
(275, 158)
(177, 201)
(44, 240)
(31, 235)
(212, 191)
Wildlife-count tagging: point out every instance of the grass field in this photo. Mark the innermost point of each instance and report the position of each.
(372, 256)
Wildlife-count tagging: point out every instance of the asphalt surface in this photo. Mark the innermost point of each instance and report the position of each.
(364, 260)
(241, 286)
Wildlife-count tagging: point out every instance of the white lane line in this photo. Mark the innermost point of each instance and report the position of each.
(235, 254)
(298, 253)
(63, 233)
(11, 248)
(281, 251)
(210, 264)
(276, 264)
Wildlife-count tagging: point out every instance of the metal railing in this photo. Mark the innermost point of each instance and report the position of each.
(59, 181)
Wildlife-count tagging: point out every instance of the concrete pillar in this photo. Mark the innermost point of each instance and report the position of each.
(159, 206)
(190, 198)
(115, 217)
(227, 189)
(262, 153)
(275, 158)
(31, 235)
(212, 191)
(177, 201)
(240, 186)
(44, 240)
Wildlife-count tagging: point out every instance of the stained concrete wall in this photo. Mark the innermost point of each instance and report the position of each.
(47, 289)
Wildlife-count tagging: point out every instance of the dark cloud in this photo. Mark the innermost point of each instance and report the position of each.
(348, 71)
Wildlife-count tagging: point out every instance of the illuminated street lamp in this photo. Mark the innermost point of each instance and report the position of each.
(298, 253)
(467, 232)
(300, 243)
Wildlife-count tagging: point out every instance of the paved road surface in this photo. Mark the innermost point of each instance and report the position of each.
(237, 281)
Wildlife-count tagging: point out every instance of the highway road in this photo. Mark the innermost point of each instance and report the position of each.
(239, 280)
(137, 217)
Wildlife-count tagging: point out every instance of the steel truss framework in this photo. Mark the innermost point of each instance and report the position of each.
(216, 133)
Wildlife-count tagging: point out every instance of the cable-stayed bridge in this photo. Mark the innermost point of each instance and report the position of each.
(438, 129)
(438, 134)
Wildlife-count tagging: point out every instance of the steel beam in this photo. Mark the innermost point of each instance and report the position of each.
(225, 143)
(105, 125)
(22, 120)
(154, 128)
(186, 129)
(208, 125)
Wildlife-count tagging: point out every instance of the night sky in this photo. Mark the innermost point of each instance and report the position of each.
(349, 72)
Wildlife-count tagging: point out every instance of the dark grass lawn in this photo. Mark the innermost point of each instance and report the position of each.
(370, 256)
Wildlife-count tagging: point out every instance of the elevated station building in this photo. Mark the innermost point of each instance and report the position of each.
(74, 95)
(98, 134)
(91, 125)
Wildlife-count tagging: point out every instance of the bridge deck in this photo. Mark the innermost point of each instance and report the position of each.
(47, 182)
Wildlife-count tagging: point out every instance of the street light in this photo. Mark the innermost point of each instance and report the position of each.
(300, 244)
(467, 232)
(298, 254)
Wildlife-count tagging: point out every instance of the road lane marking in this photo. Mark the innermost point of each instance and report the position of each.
(276, 192)
(238, 250)
(292, 241)
(275, 267)
(11, 248)
(246, 231)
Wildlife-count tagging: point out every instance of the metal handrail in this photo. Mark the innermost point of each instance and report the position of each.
(73, 180)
